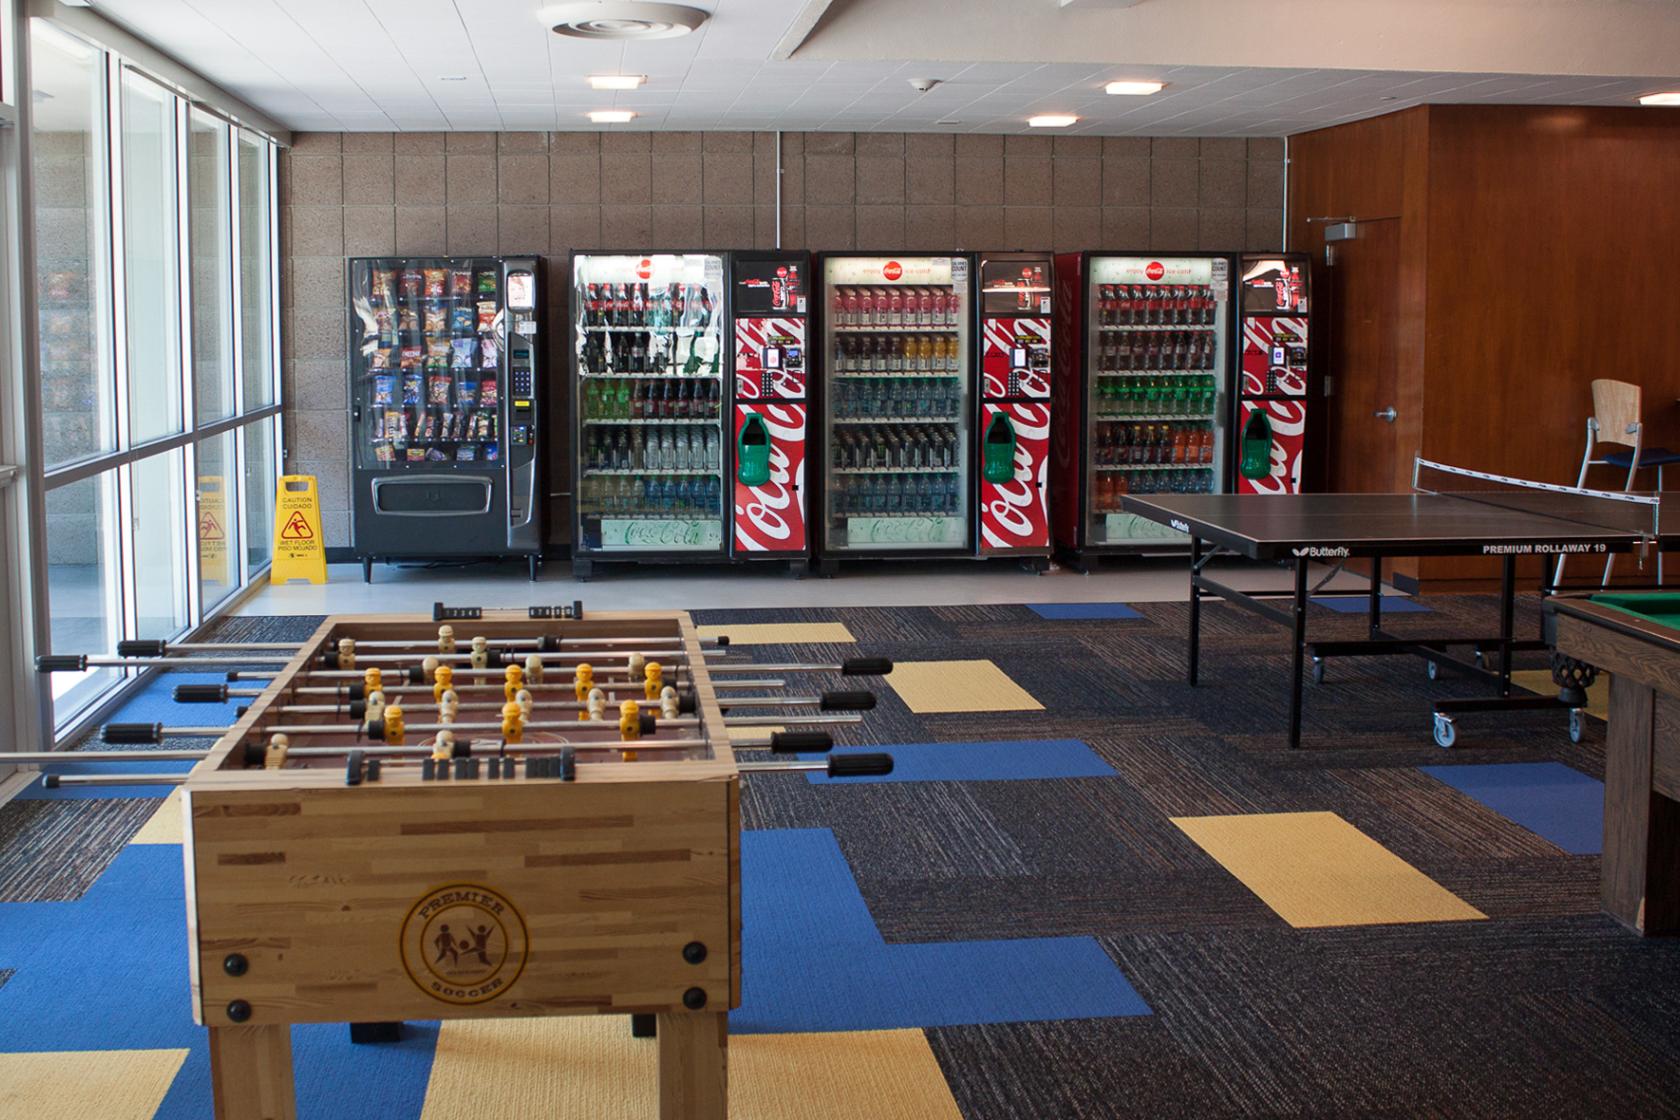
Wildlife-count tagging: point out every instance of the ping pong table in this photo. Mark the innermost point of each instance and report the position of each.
(1505, 518)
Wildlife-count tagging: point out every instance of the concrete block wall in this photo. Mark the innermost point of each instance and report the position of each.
(369, 194)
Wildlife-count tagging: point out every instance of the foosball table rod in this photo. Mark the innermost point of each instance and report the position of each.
(833, 701)
(222, 693)
(143, 733)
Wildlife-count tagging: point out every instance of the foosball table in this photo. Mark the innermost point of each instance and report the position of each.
(539, 819)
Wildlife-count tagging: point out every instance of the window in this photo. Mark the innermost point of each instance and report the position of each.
(212, 282)
(67, 144)
(256, 259)
(261, 480)
(218, 520)
(151, 260)
(158, 525)
(161, 473)
(82, 582)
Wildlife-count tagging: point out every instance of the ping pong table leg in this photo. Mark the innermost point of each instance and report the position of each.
(1507, 622)
(1300, 631)
(1195, 606)
(1376, 596)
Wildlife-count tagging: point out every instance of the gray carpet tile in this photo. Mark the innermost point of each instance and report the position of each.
(52, 850)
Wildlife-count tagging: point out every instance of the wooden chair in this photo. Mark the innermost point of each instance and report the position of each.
(1616, 421)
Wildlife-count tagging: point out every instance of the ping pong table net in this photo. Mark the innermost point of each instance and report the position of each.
(1635, 514)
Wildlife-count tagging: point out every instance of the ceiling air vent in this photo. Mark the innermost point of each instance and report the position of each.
(623, 19)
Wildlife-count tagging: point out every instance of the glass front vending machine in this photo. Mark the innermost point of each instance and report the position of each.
(445, 381)
(898, 405)
(650, 371)
(1142, 393)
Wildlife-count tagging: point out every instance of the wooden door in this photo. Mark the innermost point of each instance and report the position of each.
(1364, 327)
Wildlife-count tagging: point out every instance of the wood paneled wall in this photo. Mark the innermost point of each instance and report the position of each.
(1538, 249)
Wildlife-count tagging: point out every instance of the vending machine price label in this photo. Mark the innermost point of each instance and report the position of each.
(667, 535)
(904, 530)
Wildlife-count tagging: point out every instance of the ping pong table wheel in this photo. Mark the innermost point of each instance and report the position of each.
(1318, 670)
(1577, 725)
(1446, 733)
(1433, 670)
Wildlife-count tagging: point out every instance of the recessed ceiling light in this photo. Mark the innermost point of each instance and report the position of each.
(1670, 98)
(617, 81)
(1134, 89)
(611, 116)
(622, 19)
(1052, 120)
(452, 78)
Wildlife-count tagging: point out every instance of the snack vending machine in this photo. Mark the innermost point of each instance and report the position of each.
(1272, 323)
(898, 405)
(1015, 321)
(1142, 393)
(445, 382)
(771, 395)
(650, 375)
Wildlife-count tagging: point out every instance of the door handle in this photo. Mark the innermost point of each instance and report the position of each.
(1387, 414)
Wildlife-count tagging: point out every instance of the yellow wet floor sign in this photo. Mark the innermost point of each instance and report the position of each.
(212, 536)
(298, 550)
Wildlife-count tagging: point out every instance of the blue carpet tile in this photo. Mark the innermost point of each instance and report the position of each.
(1068, 612)
(1016, 760)
(1359, 604)
(1551, 799)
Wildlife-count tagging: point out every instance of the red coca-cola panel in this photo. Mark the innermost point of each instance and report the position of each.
(1016, 514)
(1005, 344)
(781, 341)
(1274, 356)
(771, 517)
(1289, 437)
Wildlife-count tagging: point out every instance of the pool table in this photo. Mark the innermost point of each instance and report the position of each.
(1636, 639)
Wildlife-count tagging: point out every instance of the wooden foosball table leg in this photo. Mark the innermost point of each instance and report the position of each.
(251, 1073)
(694, 1066)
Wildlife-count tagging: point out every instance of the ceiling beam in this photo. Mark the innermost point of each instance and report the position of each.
(800, 29)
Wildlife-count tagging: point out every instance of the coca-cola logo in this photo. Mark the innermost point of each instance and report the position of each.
(645, 268)
(1155, 270)
(892, 270)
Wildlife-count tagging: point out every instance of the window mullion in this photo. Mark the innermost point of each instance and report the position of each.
(117, 271)
(234, 248)
(183, 268)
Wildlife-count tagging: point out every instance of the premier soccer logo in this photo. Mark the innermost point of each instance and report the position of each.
(464, 944)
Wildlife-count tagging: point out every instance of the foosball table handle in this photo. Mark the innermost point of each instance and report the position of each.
(133, 733)
(854, 701)
(866, 666)
(200, 694)
(141, 647)
(859, 765)
(800, 742)
(61, 663)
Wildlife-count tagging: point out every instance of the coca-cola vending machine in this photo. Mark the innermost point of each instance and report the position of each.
(898, 402)
(770, 400)
(1142, 394)
(1015, 349)
(1272, 324)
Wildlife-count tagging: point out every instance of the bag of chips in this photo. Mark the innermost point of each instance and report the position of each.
(466, 393)
(437, 320)
(379, 359)
(382, 326)
(411, 387)
(436, 455)
(394, 425)
(461, 319)
(411, 283)
(492, 451)
(437, 353)
(437, 388)
(487, 282)
(436, 278)
(383, 385)
(411, 356)
(384, 286)
(487, 394)
(460, 284)
(486, 316)
(384, 454)
(416, 455)
(487, 352)
(465, 453)
(408, 320)
(463, 352)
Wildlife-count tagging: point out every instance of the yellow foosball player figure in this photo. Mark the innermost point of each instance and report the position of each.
(629, 726)
(442, 681)
(513, 681)
(513, 723)
(394, 733)
(655, 680)
(534, 669)
(583, 681)
(480, 655)
(372, 681)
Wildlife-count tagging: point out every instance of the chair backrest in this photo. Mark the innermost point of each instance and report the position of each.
(1616, 408)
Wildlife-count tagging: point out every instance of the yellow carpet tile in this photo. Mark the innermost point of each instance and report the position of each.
(1540, 681)
(1315, 869)
(959, 686)
(164, 826)
(589, 1066)
(87, 1084)
(780, 633)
